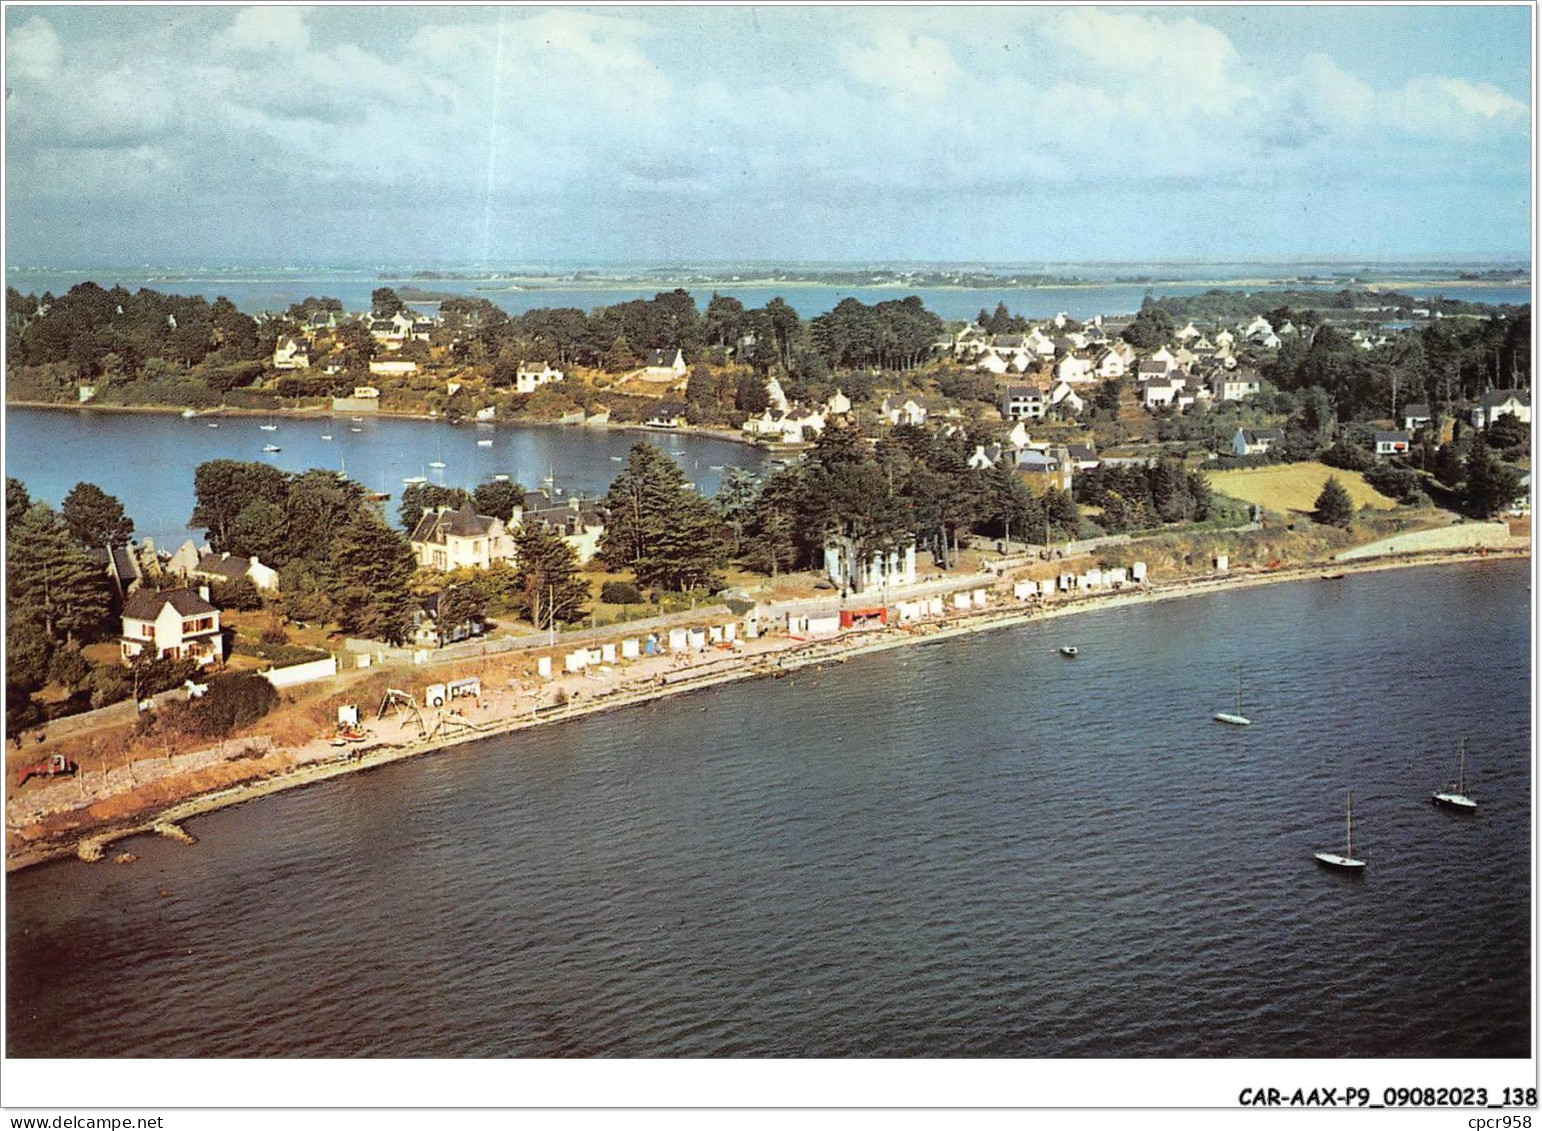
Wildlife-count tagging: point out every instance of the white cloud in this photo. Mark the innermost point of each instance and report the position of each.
(259, 29)
(1181, 62)
(32, 50)
(905, 65)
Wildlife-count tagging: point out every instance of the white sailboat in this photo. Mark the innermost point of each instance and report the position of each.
(484, 443)
(271, 448)
(269, 426)
(1347, 861)
(1238, 719)
(415, 480)
(438, 464)
(1454, 796)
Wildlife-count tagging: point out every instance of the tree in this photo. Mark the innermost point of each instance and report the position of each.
(51, 577)
(1491, 486)
(384, 302)
(663, 531)
(94, 517)
(549, 589)
(422, 497)
(372, 565)
(460, 606)
(258, 530)
(16, 501)
(233, 701)
(1507, 432)
(1334, 506)
(750, 396)
(498, 498)
(735, 501)
(223, 487)
(1150, 328)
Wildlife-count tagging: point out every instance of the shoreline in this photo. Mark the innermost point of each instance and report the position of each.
(839, 649)
(728, 436)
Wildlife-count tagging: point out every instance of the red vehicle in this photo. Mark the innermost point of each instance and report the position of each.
(53, 766)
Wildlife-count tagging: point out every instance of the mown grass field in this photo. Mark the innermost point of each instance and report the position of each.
(1294, 486)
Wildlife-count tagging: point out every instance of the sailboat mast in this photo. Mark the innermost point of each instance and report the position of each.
(1349, 827)
(1461, 766)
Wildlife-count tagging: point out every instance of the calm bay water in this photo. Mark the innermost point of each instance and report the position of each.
(258, 291)
(147, 459)
(972, 847)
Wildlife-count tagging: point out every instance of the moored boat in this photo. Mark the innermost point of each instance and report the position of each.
(1068, 650)
(1346, 862)
(1455, 796)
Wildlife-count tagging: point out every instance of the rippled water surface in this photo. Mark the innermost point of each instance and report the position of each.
(973, 847)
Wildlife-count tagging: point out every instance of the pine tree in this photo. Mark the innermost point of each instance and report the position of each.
(372, 566)
(94, 517)
(547, 583)
(51, 577)
(1490, 485)
(1334, 506)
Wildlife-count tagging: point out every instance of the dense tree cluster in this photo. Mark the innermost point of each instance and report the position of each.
(115, 334)
(661, 529)
(1133, 497)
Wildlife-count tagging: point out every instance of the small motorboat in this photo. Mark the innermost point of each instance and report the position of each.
(1068, 650)
(484, 443)
(500, 478)
(271, 448)
(1346, 862)
(188, 413)
(211, 424)
(326, 436)
(1333, 577)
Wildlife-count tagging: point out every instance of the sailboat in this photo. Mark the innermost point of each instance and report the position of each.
(269, 426)
(326, 435)
(484, 443)
(415, 480)
(438, 464)
(1238, 719)
(1454, 796)
(1346, 861)
(271, 448)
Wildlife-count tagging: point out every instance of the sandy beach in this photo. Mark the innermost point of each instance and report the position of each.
(136, 807)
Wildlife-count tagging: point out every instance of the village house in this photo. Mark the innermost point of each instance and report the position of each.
(1256, 441)
(178, 624)
(1018, 437)
(1039, 344)
(1065, 399)
(527, 378)
(1392, 443)
(291, 355)
(1416, 416)
(1049, 470)
(1023, 402)
(664, 363)
(1502, 402)
(1082, 456)
(992, 362)
(391, 369)
(908, 413)
(1159, 393)
(839, 404)
(1111, 364)
(1234, 386)
(1075, 369)
(1151, 369)
(193, 564)
(446, 539)
(580, 523)
(129, 566)
(669, 414)
(1188, 333)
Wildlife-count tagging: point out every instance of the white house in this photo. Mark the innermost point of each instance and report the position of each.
(1039, 343)
(1111, 364)
(175, 623)
(669, 414)
(1159, 393)
(907, 413)
(392, 369)
(527, 378)
(1502, 402)
(979, 461)
(897, 567)
(1392, 443)
(1062, 396)
(1023, 402)
(1075, 369)
(992, 362)
(1234, 386)
(839, 404)
(665, 363)
(203, 565)
(1256, 441)
(291, 355)
(1018, 437)
(1256, 329)
(1187, 333)
(1416, 416)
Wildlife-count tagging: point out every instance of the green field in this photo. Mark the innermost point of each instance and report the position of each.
(1294, 486)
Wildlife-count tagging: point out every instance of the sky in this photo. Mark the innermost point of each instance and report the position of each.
(524, 135)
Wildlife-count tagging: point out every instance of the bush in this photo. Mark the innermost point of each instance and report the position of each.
(68, 668)
(621, 593)
(1350, 457)
(234, 701)
(1395, 482)
(108, 685)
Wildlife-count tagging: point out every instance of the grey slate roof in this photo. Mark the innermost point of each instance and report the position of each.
(144, 605)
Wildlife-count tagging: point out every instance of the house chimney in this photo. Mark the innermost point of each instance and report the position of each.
(203, 591)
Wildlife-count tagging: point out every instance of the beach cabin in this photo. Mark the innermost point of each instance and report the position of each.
(607, 653)
(1095, 578)
(577, 661)
(679, 639)
(631, 649)
(979, 598)
(698, 639)
(961, 602)
(909, 611)
(543, 667)
(1138, 572)
(1222, 562)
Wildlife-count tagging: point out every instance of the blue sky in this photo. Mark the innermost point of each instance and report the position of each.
(467, 135)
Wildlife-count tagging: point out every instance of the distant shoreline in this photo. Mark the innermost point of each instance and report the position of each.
(835, 650)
